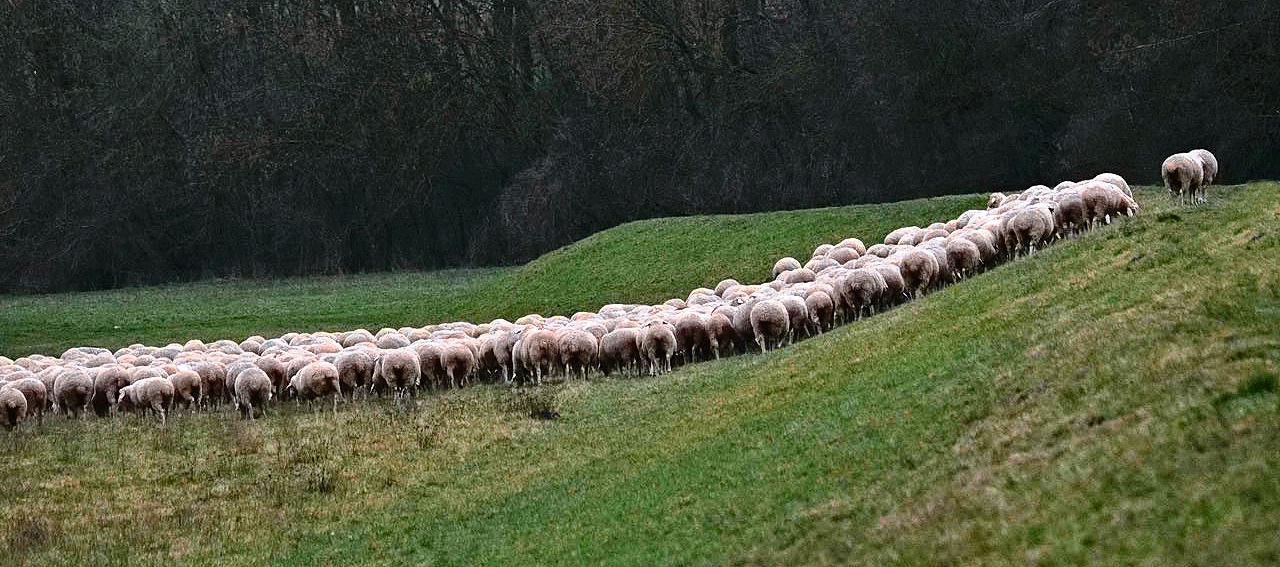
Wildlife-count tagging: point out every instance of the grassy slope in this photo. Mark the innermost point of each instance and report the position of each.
(646, 261)
(1111, 400)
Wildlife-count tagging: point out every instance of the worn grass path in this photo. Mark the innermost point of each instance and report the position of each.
(1111, 400)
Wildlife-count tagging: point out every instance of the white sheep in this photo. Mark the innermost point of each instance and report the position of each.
(13, 407)
(1183, 176)
(1209, 165)
(72, 391)
(252, 389)
(770, 324)
(314, 381)
(155, 394)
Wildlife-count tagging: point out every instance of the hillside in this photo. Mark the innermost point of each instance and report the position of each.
(1111, 400)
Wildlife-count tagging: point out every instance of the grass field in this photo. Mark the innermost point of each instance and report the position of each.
(1111, 400)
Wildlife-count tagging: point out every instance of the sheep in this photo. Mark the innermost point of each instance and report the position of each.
(963, 255)
(862, 289)
(314, 381)
(720, 333)
(1183, 176)
(540, 354)
(724, 285)
(252, 389)
(398, 370)
(1030, 226)
(796, 276)
(13, 407)
(393, 340)
(579, 351)
(186, 387)
(919, 269)
(895, 285)
(1209, 165)
(853, 243)
(154, 393)
(213, 381)
(34, 391)
(355, 369)
(797, 314)
(785, 264)
(1069, 217)
(430, 363)
(619, 350)
(107, 381)
(657, 345)
(818, 265)
(1115, 180)
(691, 336)
(72, 391)
(821, 310)
(841, 255)
(1101, 200)
(458, 362)
(277, 371)
(770, 323)
(895, 237)
(502, 347)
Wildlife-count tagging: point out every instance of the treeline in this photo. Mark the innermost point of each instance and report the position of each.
(158, 140)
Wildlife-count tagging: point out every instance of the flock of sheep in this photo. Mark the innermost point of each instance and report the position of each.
(839, 283)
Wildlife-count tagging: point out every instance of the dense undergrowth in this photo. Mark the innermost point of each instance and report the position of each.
(1110, 400)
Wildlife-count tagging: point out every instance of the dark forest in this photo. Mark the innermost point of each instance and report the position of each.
(146, 141)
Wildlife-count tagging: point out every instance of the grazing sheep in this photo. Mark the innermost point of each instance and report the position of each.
(785, 264)
(1030, 226)
(13, 407)
(277, 371)
(107, 382)
(919, 269)
(458, 362)
(724, 285)
(37, 397)
(995, 200)
(841, 255)
(720, 333)
(1115, 180)
(355, 369)
(155, 394)
(895, 285)
(398, 370)
(797, 276)
(1208, 163)
(541, 354)
(432, 373)
(1102, 200)
(896, 236)
(797, 315)
(213, 381)
(619, 350)
(963, 255)
(658, 345)
(393, 340)
(579, 351)
(862, 289)
(1183, 176)
(1069, 217)
(692, 338)
(252, 390)
(770, 324)
(821, 311)
(72, 391)
(187, 388)
(314, 381)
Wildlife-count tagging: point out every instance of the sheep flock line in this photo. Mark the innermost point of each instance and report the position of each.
(840, 283)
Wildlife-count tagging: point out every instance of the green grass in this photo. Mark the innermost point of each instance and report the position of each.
(1111, 400)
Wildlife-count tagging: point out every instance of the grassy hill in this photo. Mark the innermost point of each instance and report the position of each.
(1111, 400)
